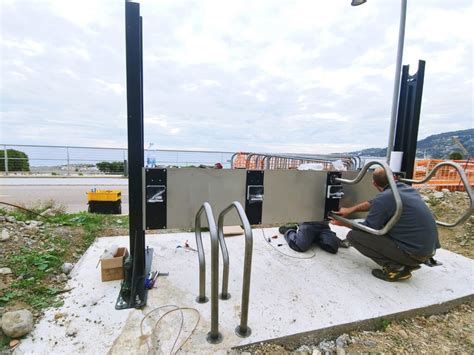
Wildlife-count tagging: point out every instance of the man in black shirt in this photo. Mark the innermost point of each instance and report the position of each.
(412, 240)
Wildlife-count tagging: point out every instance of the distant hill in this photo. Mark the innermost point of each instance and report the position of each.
(437, 146)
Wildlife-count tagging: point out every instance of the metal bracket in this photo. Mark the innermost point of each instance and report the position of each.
(254, 196)
(333, 193)
(155, 198)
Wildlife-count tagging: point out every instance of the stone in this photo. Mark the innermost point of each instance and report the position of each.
(17, 323)
(4, 236)
(403, 334)
(340, 350)
(445, 191)
(67, 267)
(327, 345)
(11, 219)
(317, 352)
(3, 286)
(438, 194)
(370, 343)
(425, 198)
(5, 271)
(343, 340)
(62, 278)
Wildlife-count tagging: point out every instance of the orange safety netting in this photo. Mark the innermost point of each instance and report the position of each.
(446, 177)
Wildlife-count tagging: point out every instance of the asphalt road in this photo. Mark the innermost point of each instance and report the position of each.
(69, 192)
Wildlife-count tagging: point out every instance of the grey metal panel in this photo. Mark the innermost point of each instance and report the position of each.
(189, 188)
(354, 194)
(293, 196)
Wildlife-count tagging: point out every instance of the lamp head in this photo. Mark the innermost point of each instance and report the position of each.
(357, 2)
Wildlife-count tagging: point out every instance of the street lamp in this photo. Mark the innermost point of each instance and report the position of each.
(357, 2)
(398, 70)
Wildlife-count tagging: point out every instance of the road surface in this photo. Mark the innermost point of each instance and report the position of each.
(70, 192)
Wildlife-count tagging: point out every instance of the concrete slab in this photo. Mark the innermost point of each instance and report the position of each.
(292, 295)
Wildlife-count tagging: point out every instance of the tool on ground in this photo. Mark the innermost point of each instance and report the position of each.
(151, 278)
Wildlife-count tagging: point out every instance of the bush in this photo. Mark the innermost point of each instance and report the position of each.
(455, 156)
(111, 167)
(17, 161)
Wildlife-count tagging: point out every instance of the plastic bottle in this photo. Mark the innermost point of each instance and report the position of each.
(150, 157)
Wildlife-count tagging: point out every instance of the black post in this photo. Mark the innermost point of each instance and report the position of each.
(133, 292)
(408, 119)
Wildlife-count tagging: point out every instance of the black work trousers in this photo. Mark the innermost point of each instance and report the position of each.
(383, 250)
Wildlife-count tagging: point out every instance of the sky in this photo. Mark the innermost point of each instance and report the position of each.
(264, 76)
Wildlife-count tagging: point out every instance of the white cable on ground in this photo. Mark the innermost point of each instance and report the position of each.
(176, 308)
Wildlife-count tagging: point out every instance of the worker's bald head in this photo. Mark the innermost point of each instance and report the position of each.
(380, 178)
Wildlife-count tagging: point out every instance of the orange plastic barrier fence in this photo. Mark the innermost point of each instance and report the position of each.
(446, 177)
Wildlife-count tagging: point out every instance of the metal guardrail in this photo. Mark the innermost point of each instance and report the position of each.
(242, 330)
(398, 201)
(465, 182)
(213, 337)
(83, 161)
(269, 161)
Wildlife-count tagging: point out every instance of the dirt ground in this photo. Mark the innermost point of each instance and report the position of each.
(67, 237)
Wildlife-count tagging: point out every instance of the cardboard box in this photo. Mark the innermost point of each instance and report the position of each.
(112, 268)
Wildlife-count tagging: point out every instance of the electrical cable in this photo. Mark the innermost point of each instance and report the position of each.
(288, 255)
(176, 308)
(24, 209)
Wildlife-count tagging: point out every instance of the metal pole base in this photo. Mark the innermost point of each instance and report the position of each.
(214, 339)
(224, 297)
(141, 292)
(242, 334)
(203, 299)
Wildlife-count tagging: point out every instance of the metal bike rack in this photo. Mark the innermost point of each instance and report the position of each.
(243, 330)
(467, 186)
(213, 336)
(398, 201)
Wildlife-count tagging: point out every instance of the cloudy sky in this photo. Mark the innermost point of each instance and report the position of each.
(270, 75)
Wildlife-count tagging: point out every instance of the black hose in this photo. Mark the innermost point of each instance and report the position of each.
(24, 209)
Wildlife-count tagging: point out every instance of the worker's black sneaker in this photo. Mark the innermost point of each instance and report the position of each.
(392, 275)
(286, 227)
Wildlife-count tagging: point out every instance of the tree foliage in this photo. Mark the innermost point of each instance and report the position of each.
(17, 160)
(455, 156)
(110, 167)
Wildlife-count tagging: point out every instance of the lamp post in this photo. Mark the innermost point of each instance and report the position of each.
(398, 70)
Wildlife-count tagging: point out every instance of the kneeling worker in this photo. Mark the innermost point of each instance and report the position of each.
(412, 240)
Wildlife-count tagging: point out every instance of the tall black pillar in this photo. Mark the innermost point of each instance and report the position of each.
(133, 292)
(408, 118)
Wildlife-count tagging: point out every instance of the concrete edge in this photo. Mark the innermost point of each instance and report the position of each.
(315, 336)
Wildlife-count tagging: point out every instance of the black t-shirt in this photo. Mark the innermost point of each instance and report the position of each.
(415, 231)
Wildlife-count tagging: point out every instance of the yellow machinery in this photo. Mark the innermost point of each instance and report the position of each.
(105, 201)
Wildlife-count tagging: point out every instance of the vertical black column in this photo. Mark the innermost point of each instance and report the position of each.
(408, 119)
(135, 145)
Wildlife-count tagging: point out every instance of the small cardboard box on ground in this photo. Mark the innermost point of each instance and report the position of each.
(112, 268)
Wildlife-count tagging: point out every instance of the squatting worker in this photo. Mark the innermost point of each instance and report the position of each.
(411, 241)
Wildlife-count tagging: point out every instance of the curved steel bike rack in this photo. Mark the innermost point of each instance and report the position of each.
(242, 330)
(398, 201)
(213, 336)
(465, 182)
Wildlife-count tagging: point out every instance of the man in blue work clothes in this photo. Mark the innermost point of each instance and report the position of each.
(412, 240)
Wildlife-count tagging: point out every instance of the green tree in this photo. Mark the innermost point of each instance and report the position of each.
(110, 167)
(455, 156)
(17, 160)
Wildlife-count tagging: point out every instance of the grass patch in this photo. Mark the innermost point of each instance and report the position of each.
(36, 260)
